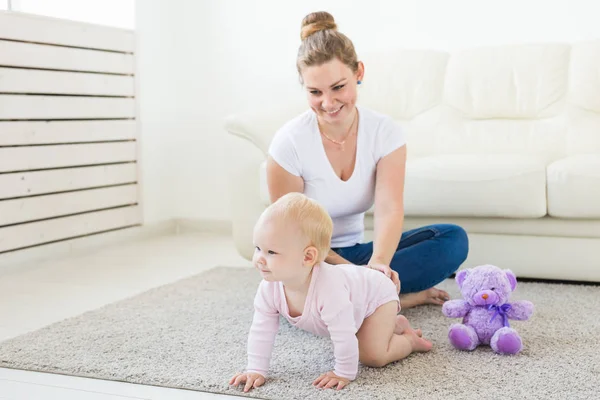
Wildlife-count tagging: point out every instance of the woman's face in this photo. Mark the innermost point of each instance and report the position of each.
(331, 90)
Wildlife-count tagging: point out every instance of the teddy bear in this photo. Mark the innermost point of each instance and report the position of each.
(485, 310)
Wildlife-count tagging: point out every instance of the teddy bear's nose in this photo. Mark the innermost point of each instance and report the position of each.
(485, 296)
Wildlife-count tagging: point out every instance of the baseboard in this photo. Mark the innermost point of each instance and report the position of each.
(84, 244)
(93, 242)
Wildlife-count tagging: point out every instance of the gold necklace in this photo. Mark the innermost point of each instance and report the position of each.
(347, 134)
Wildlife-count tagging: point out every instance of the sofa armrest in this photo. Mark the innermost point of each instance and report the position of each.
(258, 127)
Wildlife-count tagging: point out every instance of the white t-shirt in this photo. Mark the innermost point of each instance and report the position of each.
(298, 148)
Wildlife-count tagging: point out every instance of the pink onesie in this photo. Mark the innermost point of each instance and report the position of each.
(339, 299)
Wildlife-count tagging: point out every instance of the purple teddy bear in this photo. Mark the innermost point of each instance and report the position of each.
(486, 311)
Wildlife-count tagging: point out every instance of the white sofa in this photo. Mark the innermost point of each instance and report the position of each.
(504, 141)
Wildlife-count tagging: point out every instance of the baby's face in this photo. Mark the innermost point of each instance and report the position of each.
(278, 250)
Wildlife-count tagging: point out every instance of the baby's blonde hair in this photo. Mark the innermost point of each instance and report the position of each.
(310, 216)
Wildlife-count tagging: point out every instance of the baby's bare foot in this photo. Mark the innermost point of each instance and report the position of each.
(418, 343)
(402, 325)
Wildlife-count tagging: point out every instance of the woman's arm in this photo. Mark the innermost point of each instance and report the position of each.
(335, 258)
(281, 182)
(389, 205)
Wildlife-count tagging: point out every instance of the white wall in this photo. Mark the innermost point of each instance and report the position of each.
(202, 60)
(158, 111)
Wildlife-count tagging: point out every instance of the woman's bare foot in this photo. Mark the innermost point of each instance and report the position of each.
(402, 325)
(429, 296)
(418, 343)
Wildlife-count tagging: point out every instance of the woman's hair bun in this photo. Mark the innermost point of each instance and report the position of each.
(316, 22)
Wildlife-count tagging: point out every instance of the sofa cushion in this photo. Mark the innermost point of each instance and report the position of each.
(403, 83)
(583, 135)
(519, 82)
(574, 187)
(584, 102)
(584, 76)
(543, 138)
(511, 186)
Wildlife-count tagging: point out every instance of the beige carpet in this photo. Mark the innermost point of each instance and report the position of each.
(192, 334)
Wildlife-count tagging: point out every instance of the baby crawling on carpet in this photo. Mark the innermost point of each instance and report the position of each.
(357, 307)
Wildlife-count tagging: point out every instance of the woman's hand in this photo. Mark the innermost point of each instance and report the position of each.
(252, 380)
(329, 380)
(390, 273)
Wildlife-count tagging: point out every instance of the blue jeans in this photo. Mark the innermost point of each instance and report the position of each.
(424, 257)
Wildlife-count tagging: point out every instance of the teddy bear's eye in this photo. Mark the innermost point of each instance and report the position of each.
(493, 288)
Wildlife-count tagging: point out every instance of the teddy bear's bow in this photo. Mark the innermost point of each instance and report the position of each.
(500, 310)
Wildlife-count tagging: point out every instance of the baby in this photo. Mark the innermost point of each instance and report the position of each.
(356, 306)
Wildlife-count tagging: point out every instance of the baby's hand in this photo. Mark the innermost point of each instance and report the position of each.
(252, 380)
(329, 380)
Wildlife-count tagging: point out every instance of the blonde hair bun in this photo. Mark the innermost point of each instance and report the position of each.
(316, 22)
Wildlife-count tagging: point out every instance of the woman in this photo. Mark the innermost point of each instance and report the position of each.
(349, 157)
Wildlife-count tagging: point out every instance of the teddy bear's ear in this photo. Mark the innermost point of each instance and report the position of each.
(461, 276)
(511, 278)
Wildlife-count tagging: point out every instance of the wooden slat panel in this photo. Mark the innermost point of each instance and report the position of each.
(56, 156)
(19, 236)
(14, 80)
(62, 180)
(49, 132)
(55, 205)
(63, 107)
(33, 28)
(29, 55)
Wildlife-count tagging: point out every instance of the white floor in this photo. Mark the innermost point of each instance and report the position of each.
(34, 296)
